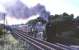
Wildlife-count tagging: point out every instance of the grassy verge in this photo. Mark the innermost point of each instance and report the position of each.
(8, 42)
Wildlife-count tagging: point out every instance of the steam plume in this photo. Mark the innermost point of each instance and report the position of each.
(19, 10)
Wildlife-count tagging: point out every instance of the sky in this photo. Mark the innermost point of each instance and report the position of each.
(13, 20)
(53, 6)
(57, 6)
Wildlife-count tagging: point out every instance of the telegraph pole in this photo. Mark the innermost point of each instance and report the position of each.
(4, 18)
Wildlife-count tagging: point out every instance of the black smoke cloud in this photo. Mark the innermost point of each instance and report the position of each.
(19, 10)
(40, 9)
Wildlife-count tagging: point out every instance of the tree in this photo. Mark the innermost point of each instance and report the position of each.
(65, 14)
(58, 24)
(40, 19)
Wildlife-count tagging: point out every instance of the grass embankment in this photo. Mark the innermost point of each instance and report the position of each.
(8, 42)
(2, 32)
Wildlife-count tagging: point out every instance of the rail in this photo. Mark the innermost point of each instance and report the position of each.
(38, 44)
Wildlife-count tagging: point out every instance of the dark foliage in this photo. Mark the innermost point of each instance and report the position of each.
(59, 24)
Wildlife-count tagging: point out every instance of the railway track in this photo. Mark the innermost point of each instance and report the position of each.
(38, 44)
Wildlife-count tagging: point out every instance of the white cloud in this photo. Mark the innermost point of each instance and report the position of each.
(1, 21)
(2, 9)
(13, 20)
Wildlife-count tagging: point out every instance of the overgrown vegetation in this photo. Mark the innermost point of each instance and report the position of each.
(64, 27)
(10, 43)
(2, 32)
